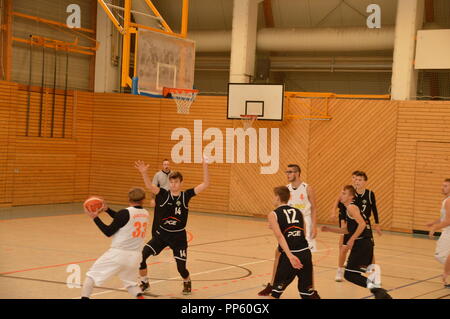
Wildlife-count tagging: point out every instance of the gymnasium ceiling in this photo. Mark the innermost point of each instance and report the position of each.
(217, 14)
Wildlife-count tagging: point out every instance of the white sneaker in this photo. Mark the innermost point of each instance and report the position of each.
(339, 275)
(374, 278)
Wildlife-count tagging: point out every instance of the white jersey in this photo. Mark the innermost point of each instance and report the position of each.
(299, 198)
(443, 215)
(132, 235)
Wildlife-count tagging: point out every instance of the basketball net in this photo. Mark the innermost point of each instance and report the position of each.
(247, 121)
(183, 98)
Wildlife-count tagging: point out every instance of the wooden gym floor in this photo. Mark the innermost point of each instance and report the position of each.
(229, 257)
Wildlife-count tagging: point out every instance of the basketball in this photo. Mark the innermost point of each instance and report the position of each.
(93, 204)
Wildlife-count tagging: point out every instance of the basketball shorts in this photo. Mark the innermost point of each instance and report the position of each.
(286, 274)
(177, 241)
(361, 255)
(443, 247)
(116, 262)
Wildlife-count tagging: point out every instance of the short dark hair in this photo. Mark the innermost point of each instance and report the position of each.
(296, 167)
(361, 173)
(351, 189)
(282, 192)
(447, 180)
(176, 175)
(136, 194)
(355, 173)
(165, 160)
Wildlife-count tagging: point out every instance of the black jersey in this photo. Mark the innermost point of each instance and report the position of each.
(291, 224)
(367, 204)
(174, 210)
(352, 225)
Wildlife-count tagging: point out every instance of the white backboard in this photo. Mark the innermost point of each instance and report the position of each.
(263, 100)
(433, 49)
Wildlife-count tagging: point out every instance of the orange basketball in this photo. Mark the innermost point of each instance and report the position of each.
(93, 204)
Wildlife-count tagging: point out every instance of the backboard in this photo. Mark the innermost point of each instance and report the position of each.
(263, 100)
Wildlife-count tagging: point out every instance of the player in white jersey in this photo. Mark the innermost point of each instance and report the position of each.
(302, 198)
(127, 230)
(442, 252)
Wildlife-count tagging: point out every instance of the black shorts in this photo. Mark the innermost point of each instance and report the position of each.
(361, 255)
(286, 274)
(177, 241)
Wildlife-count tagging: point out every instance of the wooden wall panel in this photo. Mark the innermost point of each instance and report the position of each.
(7, 140)
(125, 129)
(394, 142)
(432, 167)
(361, 136)
(250, 191)
(43, 170)
(426, 121)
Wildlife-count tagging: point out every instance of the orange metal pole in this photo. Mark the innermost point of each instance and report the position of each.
(126, 45)
(7, 43)
(184, 18)
(156, 12)
(26, 16)
(111, 16)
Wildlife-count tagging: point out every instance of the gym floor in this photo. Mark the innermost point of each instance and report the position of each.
(45, 249)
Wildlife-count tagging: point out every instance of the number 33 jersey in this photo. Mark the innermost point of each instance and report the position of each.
(291, 224)
(131, 236)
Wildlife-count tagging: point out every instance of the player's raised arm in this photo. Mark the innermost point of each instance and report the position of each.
(204, 185)
(143, 169)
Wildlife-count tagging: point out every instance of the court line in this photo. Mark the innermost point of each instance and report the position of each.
(407, 285)
(195, 274)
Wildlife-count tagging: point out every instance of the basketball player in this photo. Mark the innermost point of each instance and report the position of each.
(174, 205)
(288, 227)
(160, 179)
(301, 197)
(365, 200)
(442, 253)
(360, 244)
(127, 230)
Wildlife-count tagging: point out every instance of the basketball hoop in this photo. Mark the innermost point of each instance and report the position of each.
(183, 98)
(247, 120)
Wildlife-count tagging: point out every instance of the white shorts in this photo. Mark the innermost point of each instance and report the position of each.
(115, 261)
(443, 247)
(308, 232)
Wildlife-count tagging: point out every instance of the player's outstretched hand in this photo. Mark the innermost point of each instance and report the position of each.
(141, 166)
(324, 228)
(295, 262)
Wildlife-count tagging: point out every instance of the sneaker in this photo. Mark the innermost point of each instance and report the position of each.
(144, 285)
(266, 291)
(187, 287)
(339, 275)
(374, 278)
(380, 293)
(140, 296)
(447, 286)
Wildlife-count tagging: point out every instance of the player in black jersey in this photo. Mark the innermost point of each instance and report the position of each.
(174, 209)
(295, 260)
(343, 250)
(360, 244)
(365, 199)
